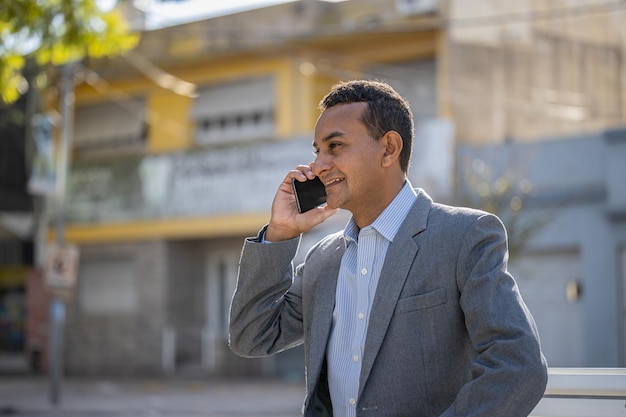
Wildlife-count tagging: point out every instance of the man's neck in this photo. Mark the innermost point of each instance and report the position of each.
(369, 214)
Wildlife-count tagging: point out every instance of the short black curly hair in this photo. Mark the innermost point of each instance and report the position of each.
(386, 110)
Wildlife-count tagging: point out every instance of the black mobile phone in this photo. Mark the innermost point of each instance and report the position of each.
(309, 194)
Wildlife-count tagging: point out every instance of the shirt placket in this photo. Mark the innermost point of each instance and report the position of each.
(364, 276)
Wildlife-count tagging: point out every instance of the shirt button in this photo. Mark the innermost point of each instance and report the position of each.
(361, 315)
(352, 401)
(363, 271)
(355, 358)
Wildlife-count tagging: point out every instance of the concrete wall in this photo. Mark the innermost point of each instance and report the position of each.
(576, 198)
(120, 342)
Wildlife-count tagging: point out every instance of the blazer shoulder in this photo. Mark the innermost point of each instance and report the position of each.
(426, 212)
(330, 243)
(461, 213)
(448, 220)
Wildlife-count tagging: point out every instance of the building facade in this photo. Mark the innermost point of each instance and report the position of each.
(178, 150)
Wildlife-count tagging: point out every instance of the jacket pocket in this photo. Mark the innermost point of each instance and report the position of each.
(422, 301)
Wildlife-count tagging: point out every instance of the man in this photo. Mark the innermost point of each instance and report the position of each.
(410, 310)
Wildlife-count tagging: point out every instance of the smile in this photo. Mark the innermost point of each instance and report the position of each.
(333, 181)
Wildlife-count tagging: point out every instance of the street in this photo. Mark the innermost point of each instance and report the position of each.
(159, 397)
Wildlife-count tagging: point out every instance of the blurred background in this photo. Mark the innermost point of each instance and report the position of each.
(135, 159)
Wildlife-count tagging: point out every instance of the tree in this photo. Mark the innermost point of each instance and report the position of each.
(52, 33)
(505, 194)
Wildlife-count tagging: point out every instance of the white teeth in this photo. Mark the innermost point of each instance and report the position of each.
(333, 181)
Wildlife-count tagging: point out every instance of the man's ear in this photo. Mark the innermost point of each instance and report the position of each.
(393, 146)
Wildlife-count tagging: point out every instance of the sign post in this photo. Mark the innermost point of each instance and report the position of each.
(62, 260)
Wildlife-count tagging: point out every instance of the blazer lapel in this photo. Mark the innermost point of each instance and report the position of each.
(323, 306)
(400, 256)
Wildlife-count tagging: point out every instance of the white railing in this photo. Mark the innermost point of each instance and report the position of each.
(583, 392)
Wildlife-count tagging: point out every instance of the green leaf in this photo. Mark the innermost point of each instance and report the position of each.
(55, 32)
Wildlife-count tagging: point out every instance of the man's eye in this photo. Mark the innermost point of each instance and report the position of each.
(316, 152)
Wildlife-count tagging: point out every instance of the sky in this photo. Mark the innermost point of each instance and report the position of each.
(175, 12)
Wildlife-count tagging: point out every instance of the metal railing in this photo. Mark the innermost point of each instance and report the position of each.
(583, 392)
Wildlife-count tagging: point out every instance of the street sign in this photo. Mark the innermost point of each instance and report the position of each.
(61, 270)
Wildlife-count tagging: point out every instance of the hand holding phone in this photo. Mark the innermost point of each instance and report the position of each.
(309, 194)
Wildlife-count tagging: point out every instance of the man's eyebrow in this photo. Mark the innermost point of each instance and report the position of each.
(330, 136)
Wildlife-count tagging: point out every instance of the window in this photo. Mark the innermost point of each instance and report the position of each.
(118, 126)
(236, 111)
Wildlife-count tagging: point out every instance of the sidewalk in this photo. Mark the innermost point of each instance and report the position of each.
(29, 397)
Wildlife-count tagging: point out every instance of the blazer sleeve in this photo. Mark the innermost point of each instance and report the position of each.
(266, 308)
(508, 372)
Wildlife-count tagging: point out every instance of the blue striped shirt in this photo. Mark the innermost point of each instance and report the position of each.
(358, 278)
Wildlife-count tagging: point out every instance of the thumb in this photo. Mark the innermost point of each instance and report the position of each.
(319, 215)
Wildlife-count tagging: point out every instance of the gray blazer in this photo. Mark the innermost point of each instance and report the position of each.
(449, 334)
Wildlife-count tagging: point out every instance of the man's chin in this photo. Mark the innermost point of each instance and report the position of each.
(331, 203)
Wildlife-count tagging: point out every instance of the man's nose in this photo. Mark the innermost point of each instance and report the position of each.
(319, 165)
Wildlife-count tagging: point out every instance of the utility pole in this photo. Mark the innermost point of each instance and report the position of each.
(57, 303)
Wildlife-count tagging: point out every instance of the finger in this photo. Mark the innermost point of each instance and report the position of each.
(318, 215)
(307, 171)
(297, 174)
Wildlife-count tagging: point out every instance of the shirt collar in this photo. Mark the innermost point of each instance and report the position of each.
(389, 221)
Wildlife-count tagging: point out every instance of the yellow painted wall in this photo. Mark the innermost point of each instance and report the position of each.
(207, 227)
(287, 106)
(169, 128)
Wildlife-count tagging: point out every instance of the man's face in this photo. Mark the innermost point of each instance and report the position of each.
(348, 159)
